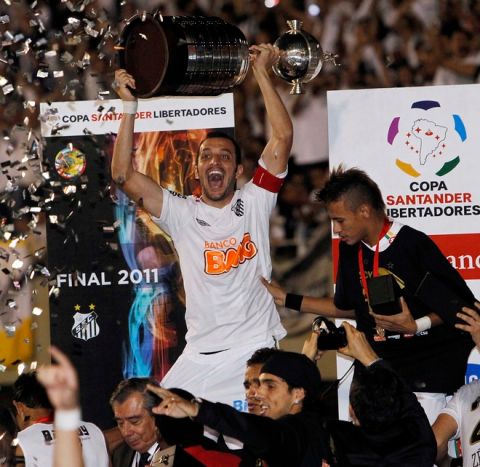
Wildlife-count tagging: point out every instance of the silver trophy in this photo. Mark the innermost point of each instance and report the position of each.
(192, 55)
(302, 57)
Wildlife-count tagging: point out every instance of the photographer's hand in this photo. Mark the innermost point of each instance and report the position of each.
(472, 322)
(401, 322)
(358, 346)
(310, 348)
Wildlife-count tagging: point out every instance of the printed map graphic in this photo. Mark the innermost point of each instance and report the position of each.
(430, 138)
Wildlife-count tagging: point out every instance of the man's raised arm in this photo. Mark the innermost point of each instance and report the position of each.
(277, 151)
(139, 188)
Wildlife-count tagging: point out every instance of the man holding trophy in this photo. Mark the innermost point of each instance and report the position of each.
(222, 240)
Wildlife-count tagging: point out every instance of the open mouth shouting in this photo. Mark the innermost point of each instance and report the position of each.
(215, 179)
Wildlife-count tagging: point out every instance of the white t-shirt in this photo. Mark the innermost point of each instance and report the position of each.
(223, 253)
(38, 439)
(464, 408)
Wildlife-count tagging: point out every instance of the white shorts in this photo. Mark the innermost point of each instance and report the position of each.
(217, 377)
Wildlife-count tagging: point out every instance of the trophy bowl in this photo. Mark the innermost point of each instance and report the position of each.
(182, 55)
(301, 56)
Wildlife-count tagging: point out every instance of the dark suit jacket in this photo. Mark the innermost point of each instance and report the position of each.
(122, 456)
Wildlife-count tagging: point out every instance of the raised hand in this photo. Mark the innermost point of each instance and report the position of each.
(172, 404)
(121, 83)
(310, 347)
(264, 56)
(472, 322)
(60, 380)
(358, 346)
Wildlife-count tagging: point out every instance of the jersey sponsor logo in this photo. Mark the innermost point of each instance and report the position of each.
(178, 195)
(85, 326)
(47, 436)
(239, 208)
(220, 262)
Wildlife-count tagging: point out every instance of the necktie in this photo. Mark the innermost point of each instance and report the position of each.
(144, 459)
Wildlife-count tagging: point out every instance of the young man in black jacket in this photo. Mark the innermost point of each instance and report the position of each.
(289, 431)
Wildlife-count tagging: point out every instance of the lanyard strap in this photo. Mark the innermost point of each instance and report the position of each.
(386, 226)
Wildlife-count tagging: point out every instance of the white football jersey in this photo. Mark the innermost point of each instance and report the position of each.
(37, 443)
(223, 254)
(464, 408)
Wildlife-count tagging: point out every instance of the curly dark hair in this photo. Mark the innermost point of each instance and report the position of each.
(375, 396)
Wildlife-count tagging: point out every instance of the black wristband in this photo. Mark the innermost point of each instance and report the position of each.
(294, 301)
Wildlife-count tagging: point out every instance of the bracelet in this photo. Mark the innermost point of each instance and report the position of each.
(423, 324)
(294, 301)
(68, 420)
(130, 107)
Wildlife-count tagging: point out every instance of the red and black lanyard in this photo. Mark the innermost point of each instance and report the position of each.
(363, 277)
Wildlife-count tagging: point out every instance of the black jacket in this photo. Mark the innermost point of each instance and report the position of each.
(407, 442)
(293, 440)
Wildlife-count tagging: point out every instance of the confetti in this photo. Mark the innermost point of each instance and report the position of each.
(21, 368)
(17, 264)
(7, 89)
(10, 329)
(42, 74)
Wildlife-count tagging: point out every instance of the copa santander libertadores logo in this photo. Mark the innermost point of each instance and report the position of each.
(428, 140)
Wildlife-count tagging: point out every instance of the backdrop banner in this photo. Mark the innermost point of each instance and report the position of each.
(421, 146)
(116, 293)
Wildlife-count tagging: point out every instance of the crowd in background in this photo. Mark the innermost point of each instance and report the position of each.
(65, 50)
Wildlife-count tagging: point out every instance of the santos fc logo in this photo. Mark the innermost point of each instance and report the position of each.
(85, 325)
(428, 140)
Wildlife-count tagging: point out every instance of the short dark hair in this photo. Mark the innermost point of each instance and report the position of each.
(354, 186)
(375, 396)
(28, 390)
(260, 356)
(298, 371)
(222, 134)
(130, 386)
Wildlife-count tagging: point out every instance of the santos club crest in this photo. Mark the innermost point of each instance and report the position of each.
(85, 325)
